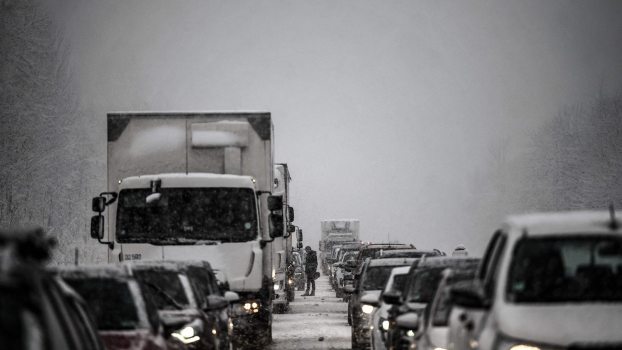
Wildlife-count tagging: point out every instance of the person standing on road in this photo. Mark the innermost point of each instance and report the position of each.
(310, 270)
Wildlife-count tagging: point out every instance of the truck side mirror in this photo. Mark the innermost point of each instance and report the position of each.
(276, 225)
(97, 226)
(299, 244)
(290, 214)
(98, 204)
(275, 203)
(299, 237)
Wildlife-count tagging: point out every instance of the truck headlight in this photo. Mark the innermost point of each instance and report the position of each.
(385, 325)
(524, 347)
(248, 307)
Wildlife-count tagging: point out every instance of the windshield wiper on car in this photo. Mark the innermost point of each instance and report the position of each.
(165, 295)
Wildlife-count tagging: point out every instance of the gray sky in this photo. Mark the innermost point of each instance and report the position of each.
(385, 110)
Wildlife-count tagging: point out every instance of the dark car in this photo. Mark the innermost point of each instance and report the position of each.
(125, 318)
(419, 290)
(371, 282)
(188, 300)
(37, 309)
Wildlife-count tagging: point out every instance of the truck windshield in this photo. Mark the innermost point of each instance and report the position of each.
(187, 216)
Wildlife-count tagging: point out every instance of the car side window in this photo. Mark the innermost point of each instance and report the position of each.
(490, 279)
(487, 259)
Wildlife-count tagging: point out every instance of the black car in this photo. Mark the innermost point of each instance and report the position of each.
(188, 299)
(371, 282)
(37, 309)
(421, 285)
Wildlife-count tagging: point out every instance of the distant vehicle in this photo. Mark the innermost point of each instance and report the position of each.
(380, 319)
(336, 232)
(37, 309)
(372, 280)
(374, 250)
(339, 260)
(196, 186)
(342, 269)
(125, 318)
(423, 279)
(546, 281)
(188, 301)
(434, 329)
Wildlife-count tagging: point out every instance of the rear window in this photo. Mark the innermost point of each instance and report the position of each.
(376, 277)
(424, 284)
(110, 300)
(558, 269)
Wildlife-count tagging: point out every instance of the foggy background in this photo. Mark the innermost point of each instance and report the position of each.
(429, 121)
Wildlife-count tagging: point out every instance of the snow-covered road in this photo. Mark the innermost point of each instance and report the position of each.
(311, 318)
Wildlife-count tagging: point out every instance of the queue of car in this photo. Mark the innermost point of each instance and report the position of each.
(156, 305)
(546, 281)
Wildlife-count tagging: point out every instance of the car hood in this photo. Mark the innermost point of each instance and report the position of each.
(562, 324)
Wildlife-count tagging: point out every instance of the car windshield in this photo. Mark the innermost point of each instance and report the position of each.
(163, 288)
(376, 277)
(110, 300)
(424, 284)
(566, 269)
(187, 215)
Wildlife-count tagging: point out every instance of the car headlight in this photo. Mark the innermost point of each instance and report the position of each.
(367, 309)
(276, 286)
(186, 335)
(290, 281)
(385, 325)
(524, 347)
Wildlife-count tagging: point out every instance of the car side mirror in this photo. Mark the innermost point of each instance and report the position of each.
(276, 225)
(370, 299)
(232, 297)
(98, 204)
(97, 226)
(469, 296)
(409, 320)
(275, 203)
(215, 302)
(392, 297)
(290, 213)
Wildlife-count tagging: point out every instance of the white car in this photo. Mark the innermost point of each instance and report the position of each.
(379, 318)
(435, 328)
(547, 281)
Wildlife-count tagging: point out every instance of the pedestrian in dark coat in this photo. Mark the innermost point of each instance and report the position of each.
(310, 269)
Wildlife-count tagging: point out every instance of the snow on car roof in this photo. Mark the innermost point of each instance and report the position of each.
(92, 271)
(562, 222)
(391, 262)
(173, 265)
(440, 261)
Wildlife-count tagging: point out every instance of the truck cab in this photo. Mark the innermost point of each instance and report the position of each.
(195, 186)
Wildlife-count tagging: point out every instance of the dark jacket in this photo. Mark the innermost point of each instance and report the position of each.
(310, 262)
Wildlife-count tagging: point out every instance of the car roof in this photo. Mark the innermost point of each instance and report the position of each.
(446, 261)
(92, 271)
(393, 252)
(391, 262)
(559, 223)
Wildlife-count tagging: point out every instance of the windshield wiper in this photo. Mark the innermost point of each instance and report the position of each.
(165, 295)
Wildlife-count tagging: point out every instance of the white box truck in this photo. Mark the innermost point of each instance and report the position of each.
(334, 232)
(195, 186)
